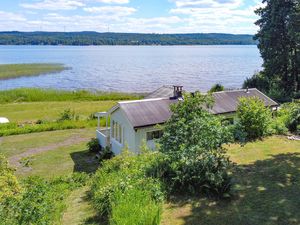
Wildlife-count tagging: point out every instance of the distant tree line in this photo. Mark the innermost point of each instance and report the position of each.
(279, 45)
(94, 38)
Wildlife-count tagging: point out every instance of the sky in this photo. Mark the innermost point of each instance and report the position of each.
(141, 16)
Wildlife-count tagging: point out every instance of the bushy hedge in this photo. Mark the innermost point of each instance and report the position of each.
(125, 177)
(254, 119)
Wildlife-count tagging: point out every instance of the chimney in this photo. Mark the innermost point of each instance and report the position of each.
(177, 92)
(247, 90)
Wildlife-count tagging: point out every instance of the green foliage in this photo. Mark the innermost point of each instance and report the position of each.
(9, 185)
(135, 206)
(125, 175)
(105, 154)
(216, 88)
(26, 161)
(94, 38)
(192, 143)
(279, 38)
(41, 201)
(14, 129)
(253, 118)
(293, 117)
(93, 145)
(67, 114)
(44, 95)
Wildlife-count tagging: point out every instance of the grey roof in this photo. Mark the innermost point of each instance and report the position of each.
(147, 112)
(162, 92)
(227, 101)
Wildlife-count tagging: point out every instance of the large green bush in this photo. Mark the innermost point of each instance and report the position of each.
(122, 176)
(253, 118)
(35, 200)
(293, 117)
(192, 143)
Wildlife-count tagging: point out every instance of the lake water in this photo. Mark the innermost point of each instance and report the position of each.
(135, 68)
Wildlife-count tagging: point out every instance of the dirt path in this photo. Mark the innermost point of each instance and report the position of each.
(79, 209)
(76, 139)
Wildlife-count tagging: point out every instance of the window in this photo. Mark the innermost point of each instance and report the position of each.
(117, 132)
(152, 135)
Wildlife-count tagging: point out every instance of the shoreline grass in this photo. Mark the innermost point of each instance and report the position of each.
(8, 71)
(45, 95)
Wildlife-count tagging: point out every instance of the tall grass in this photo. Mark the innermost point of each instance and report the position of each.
(124, 193)
(44, 95)
(18, 70)
(135, 206)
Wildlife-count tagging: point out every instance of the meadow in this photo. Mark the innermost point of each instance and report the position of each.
(8, 71)
(33, 110)
(266, 181)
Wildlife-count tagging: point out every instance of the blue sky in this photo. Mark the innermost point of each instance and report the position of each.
(145, 16)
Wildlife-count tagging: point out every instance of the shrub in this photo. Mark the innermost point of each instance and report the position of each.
(216, 88)
(105, 154)
(192, 143)
(253, 118)
(293, 118)
(93, 145)
(123, 175)
(67, 114)
(9, 185)
(41, 201)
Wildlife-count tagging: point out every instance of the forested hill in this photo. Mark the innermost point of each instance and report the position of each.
(94, 38)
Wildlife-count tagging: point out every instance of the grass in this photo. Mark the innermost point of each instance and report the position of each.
(79, 210)
(64, 152)
(8, 71)
(267, 186)
(52, 95)
(33, 111)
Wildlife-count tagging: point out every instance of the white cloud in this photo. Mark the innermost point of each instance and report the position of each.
(54, 5)
(114, 1)
(111, 10)
(10, 17)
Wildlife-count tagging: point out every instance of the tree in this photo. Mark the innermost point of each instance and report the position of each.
(253, 118)
(216, 88)
(192, 141)
(279, 45)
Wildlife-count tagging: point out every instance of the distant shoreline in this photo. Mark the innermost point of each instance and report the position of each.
(123, 39)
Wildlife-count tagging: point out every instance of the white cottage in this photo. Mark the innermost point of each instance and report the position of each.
(135, 122)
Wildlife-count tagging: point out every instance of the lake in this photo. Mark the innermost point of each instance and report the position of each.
(135, 68)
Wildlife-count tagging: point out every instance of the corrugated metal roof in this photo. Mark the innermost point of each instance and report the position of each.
(147, 112)
(162, 92)
(227, 101)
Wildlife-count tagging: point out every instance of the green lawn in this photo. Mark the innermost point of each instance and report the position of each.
(18, 70)
(267, 189)
(32, 111)
(57, 152)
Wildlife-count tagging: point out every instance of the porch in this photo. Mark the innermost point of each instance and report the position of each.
(103, 133)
